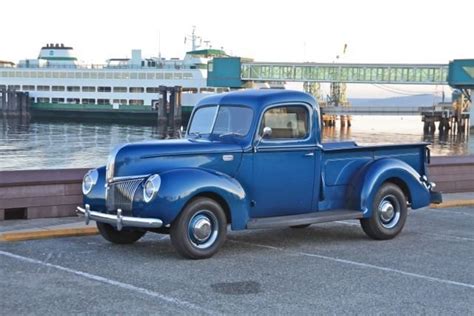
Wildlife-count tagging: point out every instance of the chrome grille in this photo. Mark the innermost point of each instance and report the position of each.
(120, 194)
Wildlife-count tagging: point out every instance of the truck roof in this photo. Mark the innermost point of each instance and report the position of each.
(259, 98)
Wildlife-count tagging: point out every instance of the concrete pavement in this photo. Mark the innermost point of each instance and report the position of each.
(330, 268)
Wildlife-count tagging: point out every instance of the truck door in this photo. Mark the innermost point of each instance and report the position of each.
(284, 162)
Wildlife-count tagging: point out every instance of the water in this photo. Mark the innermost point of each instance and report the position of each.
(60, 144)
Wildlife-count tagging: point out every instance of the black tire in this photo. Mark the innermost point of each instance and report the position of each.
(125, 236)
(209, 215)
(389, 213)
(301, 226)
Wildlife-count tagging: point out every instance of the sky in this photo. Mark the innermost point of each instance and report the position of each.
(387, 31)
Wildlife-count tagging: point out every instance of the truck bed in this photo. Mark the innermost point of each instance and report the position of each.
(340, 161)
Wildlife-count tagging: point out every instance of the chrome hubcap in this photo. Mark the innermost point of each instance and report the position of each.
(386, 211)
(389, 211)
(203, 229)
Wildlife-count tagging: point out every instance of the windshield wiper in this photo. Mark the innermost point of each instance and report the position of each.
(231, 133)
(196, 134)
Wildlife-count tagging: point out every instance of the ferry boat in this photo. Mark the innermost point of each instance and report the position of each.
(58, 83)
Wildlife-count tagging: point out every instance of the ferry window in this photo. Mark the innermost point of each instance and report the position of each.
(168, 76)
(109, 75)
(88, 101)
(85, 75)
(4, 73)
(103, 101)
(93, 75)
(190, 90)
(120, 101)
(159, 75)
(141, 76)
(133, 75)
(48, 74)
(208, 90)
(11, 74)
(57, 100)
(125, 75)
(28, 88)
(101, 75)
(152, 90)
(14, 87)
(73, 89)
(178, 75)
(150, 76)
(104, 89)
(286, 122)
(34, 74)
(120, 89)
(73, 100)
(55, 74)
(18, 74)
(88, 89)
(43, 100)
(136, 102)
(136, 90)
(58, 88)
(62, 75)
(117, 75)
(78, 75)
(42, 88)
(187, 75)
(70, 75)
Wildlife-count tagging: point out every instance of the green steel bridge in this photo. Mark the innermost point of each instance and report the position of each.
(435, 74)
(235, 72)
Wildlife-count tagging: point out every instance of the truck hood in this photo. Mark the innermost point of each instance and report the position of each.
(146, 158)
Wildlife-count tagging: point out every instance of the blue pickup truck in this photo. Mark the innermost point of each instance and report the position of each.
(253, 159)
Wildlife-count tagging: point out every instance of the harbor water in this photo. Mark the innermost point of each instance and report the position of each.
(65, 144)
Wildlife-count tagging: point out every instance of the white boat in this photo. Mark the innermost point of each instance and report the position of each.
(58, 79)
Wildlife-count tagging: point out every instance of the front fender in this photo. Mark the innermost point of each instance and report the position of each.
(96, 198)
(369, 179)
(179, 186)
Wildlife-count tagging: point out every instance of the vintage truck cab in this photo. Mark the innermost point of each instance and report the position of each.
(253, 159)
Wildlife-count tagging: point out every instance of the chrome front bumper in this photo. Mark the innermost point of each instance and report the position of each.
(118, 220)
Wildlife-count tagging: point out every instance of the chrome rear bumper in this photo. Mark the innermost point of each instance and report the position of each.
(118, 220)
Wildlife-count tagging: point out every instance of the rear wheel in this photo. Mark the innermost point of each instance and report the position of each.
(200, 229)
(125, 236)
(389, 213)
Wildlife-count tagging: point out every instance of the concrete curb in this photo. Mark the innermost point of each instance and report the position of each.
(47, 233)
(453, 203)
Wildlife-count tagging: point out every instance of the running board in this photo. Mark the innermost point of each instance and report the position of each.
(303, 219)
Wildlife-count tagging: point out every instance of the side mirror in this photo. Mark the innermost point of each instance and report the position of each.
(267, 132)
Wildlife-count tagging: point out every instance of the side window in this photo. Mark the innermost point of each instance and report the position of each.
(286, 122)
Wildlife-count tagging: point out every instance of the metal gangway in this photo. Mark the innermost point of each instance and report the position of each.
(423, 74)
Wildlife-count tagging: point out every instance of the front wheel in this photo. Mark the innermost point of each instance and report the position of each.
(124, 236)
(200, 229)
(389, 213)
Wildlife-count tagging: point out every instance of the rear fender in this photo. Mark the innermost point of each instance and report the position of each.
(179, 186)
(369, 179)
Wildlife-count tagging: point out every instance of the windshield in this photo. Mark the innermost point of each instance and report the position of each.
(221, 120)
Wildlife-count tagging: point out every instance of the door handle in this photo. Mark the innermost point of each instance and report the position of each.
(311, 154)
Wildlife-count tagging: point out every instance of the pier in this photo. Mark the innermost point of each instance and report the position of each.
(447, 116)
(14, 103)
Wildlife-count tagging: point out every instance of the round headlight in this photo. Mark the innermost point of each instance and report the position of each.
(151, 187)
(90, 179)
